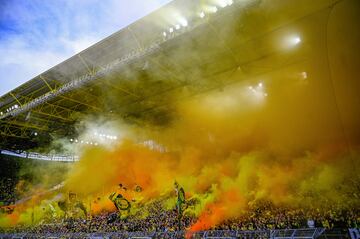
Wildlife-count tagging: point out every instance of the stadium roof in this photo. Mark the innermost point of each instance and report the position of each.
(186, 46)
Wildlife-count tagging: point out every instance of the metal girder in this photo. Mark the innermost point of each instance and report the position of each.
(52, 110)
(82, 80)
(56, 114)
(68, 97)
(25, 125)
(89, 77)
(45, 121)
(86, 97)
(35, 93)
(48, 109)
(127, 92)
(9, 130)
(92, 70)
(56, 111)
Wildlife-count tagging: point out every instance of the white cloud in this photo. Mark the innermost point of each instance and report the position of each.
(36, 35)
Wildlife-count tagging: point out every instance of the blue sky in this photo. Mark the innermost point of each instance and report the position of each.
(38, 34)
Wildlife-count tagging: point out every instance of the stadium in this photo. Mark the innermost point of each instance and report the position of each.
(203, 119)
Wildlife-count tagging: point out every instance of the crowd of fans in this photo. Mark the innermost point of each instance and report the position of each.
(156, 217)
(260, 216)
(7, 195)
(8, 181)
(265, 215)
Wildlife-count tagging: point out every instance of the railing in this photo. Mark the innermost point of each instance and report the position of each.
(256, 234)
(308, 233)
(37, 156)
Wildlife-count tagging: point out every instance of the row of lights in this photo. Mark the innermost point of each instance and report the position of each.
(105, 136)
(99, 136)
(14, 107)
(184, 23)
(83, 142)
(214, 9)
(258, 89)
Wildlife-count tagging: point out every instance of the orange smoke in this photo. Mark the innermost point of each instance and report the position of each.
(214, 213)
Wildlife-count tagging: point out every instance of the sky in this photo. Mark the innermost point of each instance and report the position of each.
(36, 35)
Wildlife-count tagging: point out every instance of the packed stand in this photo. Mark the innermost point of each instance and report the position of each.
(260, 216)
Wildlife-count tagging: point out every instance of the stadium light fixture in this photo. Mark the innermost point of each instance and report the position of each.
(296, 40)
(292, 40)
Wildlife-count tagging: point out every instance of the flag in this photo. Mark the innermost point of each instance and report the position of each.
(121, 203)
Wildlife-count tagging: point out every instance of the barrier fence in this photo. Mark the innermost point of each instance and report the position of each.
(309, 233)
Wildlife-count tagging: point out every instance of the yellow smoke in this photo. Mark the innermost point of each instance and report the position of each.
(229, 149)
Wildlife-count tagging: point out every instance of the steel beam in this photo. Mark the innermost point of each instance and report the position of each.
(14, 131)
